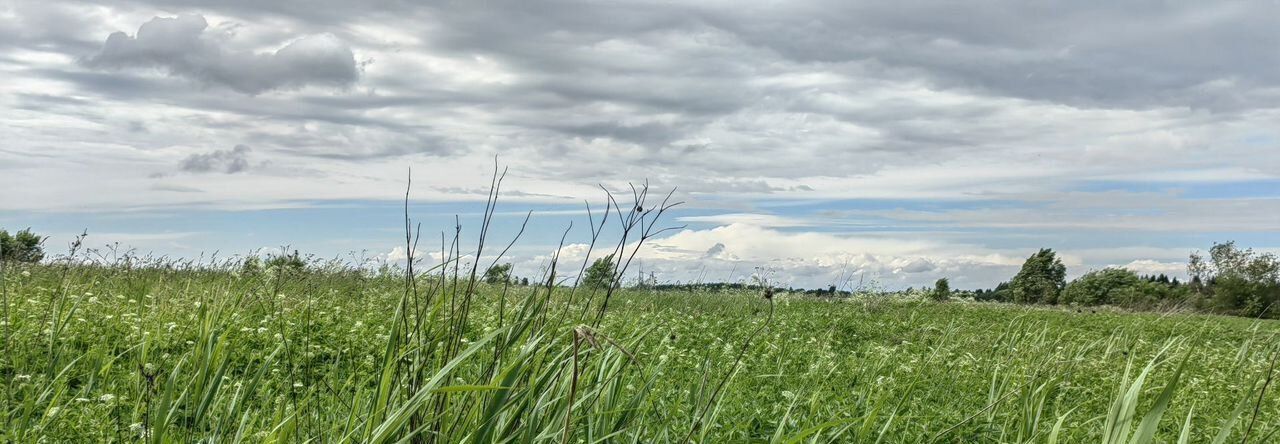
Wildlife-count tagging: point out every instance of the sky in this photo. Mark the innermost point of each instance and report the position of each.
(815, 142)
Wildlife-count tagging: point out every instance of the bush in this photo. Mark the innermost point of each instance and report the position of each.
(1102, 287)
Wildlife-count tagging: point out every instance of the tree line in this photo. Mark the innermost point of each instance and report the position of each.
(1229, 280)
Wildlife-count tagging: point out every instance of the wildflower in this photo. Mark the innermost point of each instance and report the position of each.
(93, 299)
(26, 273)
(82, 399)
(140, 430)
(22, 377)
(171, 326)
(107, 398)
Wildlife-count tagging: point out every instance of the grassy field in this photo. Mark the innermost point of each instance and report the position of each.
(177, 354)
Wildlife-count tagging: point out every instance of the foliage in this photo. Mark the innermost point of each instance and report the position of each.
(498, 274)
(1238, 281)
(1040, 280)
(941, 290)
(998, 294)
(22, 246)
(600, 273)
(1102, 287)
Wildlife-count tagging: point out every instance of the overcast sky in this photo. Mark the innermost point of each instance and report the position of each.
(899, 141)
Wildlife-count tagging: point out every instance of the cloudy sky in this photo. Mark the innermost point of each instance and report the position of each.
(895, 141)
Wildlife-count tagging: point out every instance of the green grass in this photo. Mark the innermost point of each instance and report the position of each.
(175, 354)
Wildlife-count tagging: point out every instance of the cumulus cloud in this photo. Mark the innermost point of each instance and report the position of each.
(185, 47)
(913, 265)
(1153, 267)
(230, 161)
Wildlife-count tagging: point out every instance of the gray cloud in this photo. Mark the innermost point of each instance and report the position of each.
(925, 115)
(185, 47)
(230, 161)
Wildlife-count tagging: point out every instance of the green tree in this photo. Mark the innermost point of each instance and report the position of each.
(23, 246)
(600, 273)
(1102, 287)
(1238, 281)
(498, 274)
(1040, 280)
(941, 290)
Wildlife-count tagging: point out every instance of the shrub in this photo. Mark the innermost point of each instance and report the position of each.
(1102, 287)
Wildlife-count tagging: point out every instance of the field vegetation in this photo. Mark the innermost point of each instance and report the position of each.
(293, 349)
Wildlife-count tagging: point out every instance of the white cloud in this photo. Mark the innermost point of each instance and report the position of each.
(1152, 267)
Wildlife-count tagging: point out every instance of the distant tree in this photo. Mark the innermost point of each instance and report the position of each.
(498, 274)
(1238, 281)
(600, 273)
(998, 294)
(941, 290)
(1101, 287)
(831, 290)
(1040, 280)
(524, 281)
(23, 246)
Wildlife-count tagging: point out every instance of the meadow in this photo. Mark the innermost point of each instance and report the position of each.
(172, 352)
